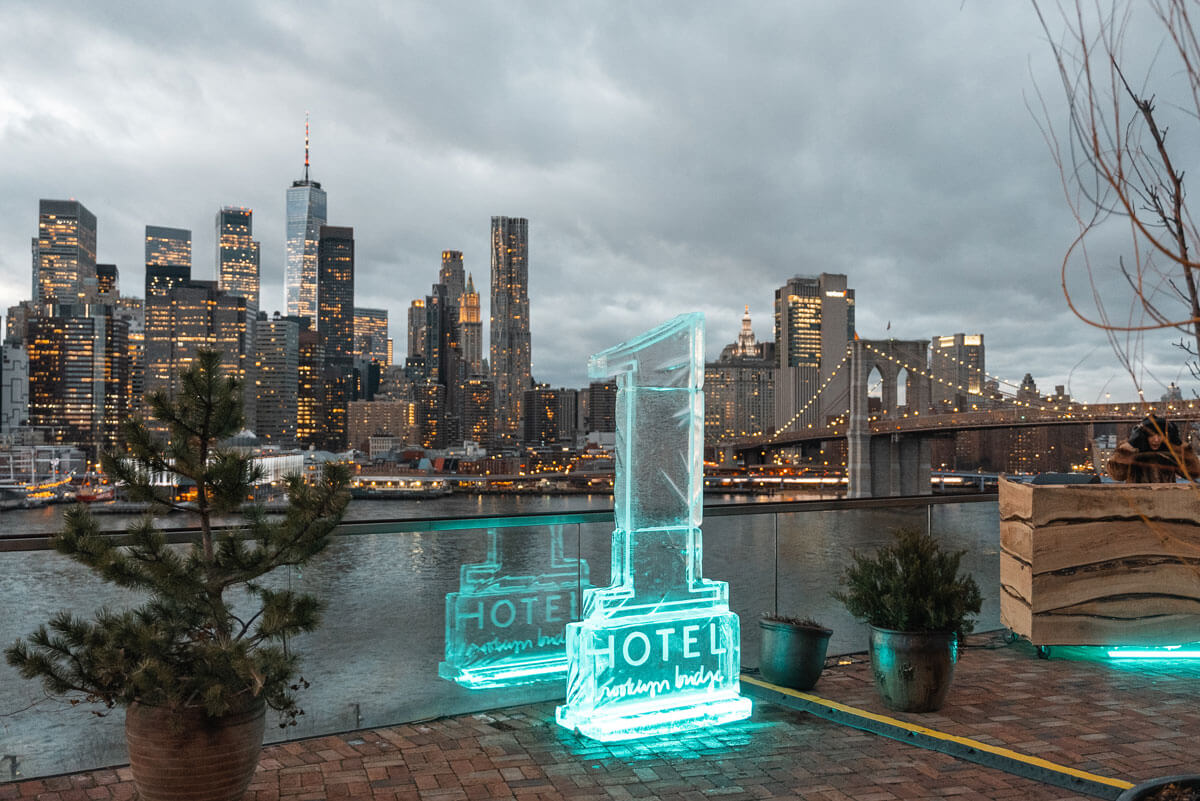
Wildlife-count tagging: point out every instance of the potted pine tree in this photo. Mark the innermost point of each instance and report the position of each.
(919, 609)
(197, 663)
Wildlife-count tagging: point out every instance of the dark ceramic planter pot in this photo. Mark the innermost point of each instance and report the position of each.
(1146, 790)
(187, 754)
(792, 656)
(913, 669)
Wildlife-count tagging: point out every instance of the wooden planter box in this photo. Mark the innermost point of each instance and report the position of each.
(1100, 564)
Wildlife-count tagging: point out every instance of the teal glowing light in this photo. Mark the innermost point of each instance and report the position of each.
(657, 651)
(1163, 652)
(505, 625)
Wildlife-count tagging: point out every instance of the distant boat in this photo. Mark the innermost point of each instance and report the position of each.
(397, 487)
(92, 494)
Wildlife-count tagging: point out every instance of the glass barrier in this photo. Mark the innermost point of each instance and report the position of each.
(382, 655)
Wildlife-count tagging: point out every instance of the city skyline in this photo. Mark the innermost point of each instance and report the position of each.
(671, 162)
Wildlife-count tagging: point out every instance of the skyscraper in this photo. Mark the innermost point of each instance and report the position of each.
(814, 322)
(237, 254)
(470, 324)
(956, 365)
(371, 334)
(416, 329)
(168, 265)
(192, 316)
(237, 276)
(452, 274)
(107, 278)
(739, 388)
(510, 362)
(277, 373)
(168, 258)
(78, 363)
(64, 252)
(306, 214)
(310, 392)
(335, 324)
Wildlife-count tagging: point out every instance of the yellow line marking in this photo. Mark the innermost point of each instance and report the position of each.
(939, 735)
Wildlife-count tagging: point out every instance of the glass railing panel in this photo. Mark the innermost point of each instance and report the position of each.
(375, 660)
(48, 735)
(815, 548)
(974, 528)
(740, 550)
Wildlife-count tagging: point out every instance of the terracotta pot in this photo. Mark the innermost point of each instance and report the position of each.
(792, 656)
(913, 669)
(177, 755)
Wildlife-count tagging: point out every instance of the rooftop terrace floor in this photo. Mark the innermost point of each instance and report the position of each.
(1123, 721)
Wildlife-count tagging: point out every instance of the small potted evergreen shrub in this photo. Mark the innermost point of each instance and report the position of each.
(793, 650)
(919, 609)
(196, 664)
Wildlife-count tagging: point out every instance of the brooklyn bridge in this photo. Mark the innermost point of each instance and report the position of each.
(888, 447)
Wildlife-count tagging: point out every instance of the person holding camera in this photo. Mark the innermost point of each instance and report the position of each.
(1155, 453)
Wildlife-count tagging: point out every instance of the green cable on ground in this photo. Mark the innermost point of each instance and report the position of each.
(993, 756)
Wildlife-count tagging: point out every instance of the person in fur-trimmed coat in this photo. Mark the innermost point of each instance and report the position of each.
(1154, 454)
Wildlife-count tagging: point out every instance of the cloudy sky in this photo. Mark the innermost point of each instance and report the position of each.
(670, 157)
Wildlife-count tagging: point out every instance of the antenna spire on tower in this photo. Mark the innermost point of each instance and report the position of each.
(306, 146)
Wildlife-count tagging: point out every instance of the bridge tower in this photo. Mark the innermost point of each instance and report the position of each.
(887, 464)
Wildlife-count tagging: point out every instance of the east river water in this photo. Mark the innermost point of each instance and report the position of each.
(374, 661)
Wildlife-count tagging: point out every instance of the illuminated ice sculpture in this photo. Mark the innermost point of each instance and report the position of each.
(505, 625)
(658, 650)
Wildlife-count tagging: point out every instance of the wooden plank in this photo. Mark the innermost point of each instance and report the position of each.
(1016, 500)
(1016, 577)
(1132, 608)
(1059, 547)
(1040, 505)
(1087, 630)
(1015, 613)
(1051, 591)
(1016, 537)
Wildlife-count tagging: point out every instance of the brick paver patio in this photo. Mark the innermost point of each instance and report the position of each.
(1125, 721)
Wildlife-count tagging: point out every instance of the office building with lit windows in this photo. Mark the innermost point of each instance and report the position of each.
(78, 365)
(277, 379)
(739, 388)
(371, 335)
(509, 345)
(479, 413)
(193, 316)
(335, 324)
(310, 388)
(470, 325)
(168, 265)
(168, 258)
(542, 412)
(602, 406)
(430, 399)
(452, 275)
(107, 280)
(416, 329)
(814, 325)
(956, 366)
(238, 275)
(237, 254)
(133, 311)
(64, 253)
(306, 213)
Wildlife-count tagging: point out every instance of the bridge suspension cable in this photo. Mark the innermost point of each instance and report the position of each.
(810, 401)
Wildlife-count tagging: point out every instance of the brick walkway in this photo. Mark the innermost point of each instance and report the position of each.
(1132, 722)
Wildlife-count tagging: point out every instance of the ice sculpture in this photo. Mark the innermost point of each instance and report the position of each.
(505, 625)
(658, 650)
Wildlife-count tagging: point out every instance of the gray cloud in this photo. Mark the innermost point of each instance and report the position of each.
(670, 157)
